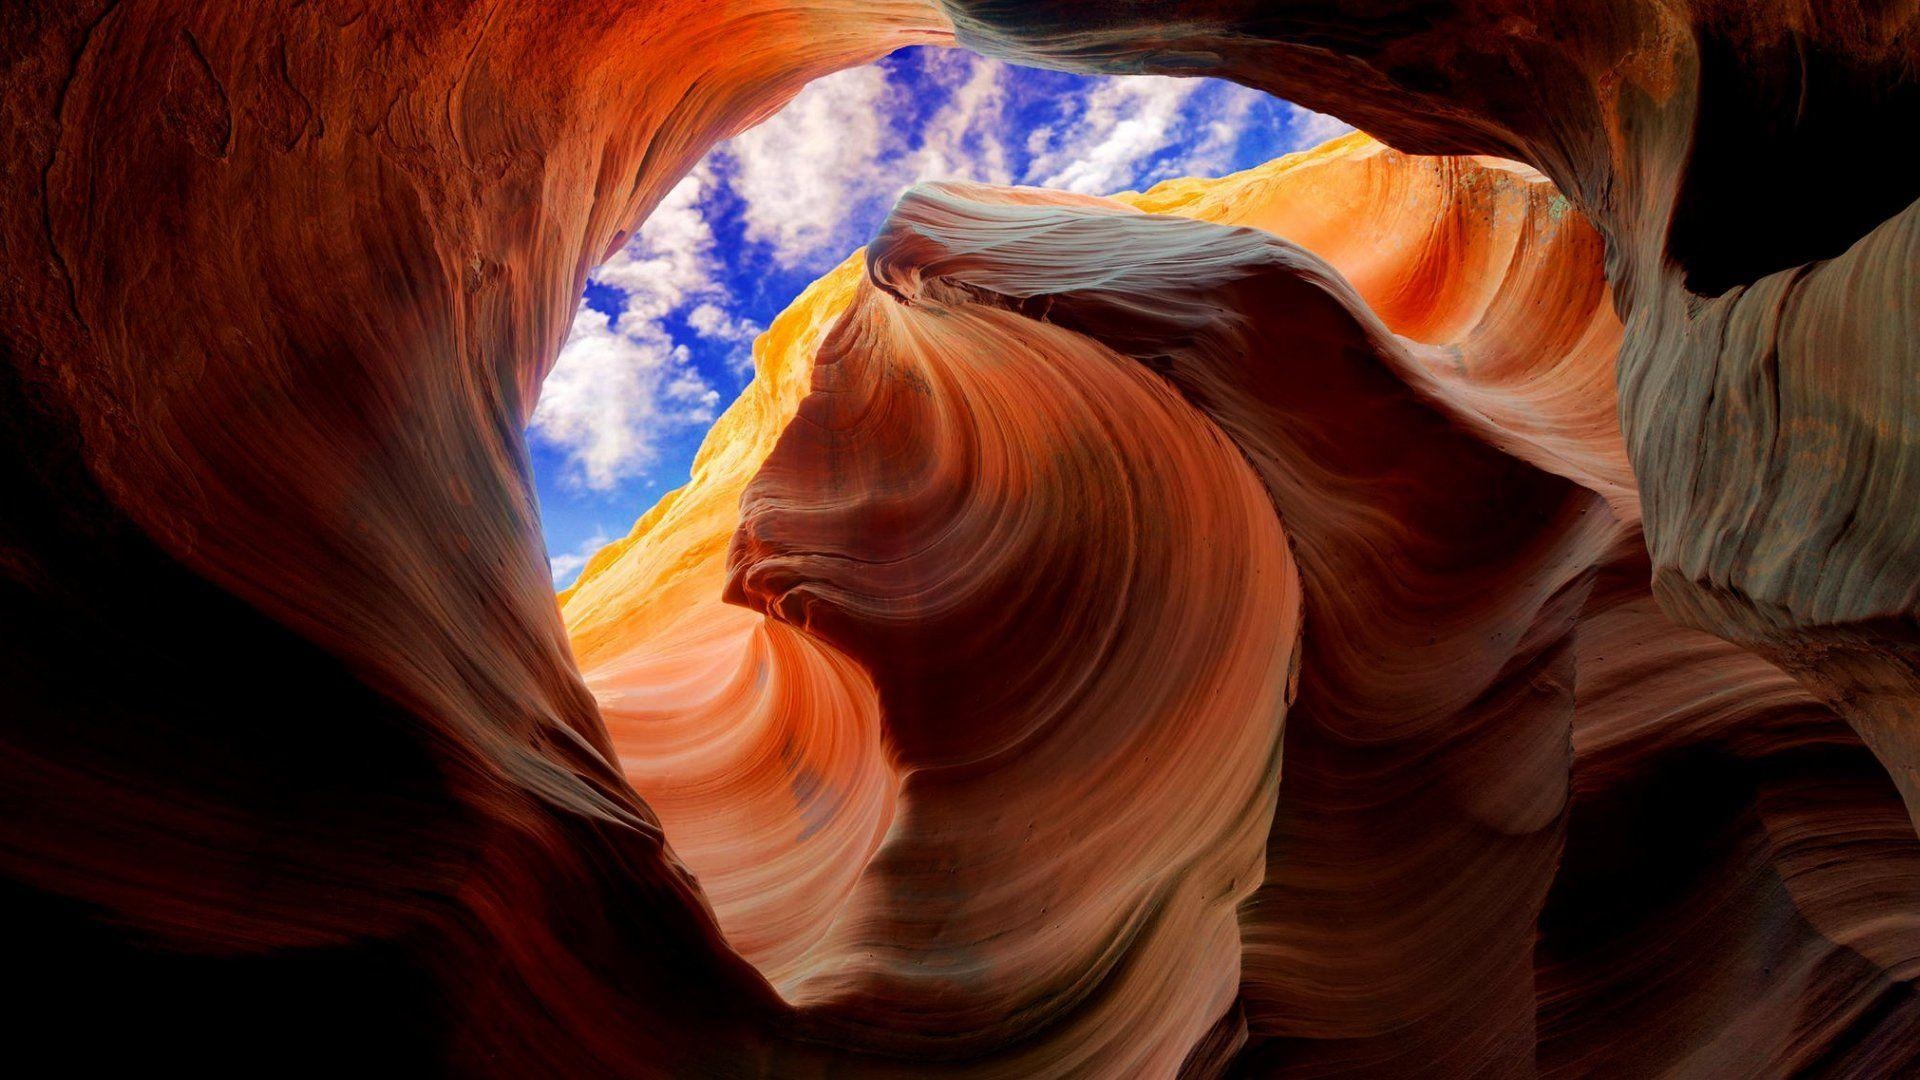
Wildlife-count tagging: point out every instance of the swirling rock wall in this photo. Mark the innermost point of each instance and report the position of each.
(1768, 371)
(1468, 253)
(1424, 811)
(1480, 256)
(1494, 726)
(967, 492)
(294, 745)
(1165, 649)
(758, 747)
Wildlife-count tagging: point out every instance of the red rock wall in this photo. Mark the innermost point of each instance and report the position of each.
(1769, 361)
(1221, 658)
(296, 761)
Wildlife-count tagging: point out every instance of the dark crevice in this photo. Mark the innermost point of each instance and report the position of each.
(1798, 152)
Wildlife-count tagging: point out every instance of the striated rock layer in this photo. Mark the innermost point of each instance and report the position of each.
(1495, 731)
(296, 762)
(1150, 645)
(1424, 810)
(1761, 221)
(649, 605)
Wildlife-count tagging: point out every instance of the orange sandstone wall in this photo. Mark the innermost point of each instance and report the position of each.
(712, 711)
(295, 754)
(1491, 724)
(1166, 649)
(1768, 371)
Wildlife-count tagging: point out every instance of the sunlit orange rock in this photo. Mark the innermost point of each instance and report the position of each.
(757, 746)
(1771, 362)
(1481, 256)
(1396, 934)
(295, 754)
(776, 820)
(1167, 647)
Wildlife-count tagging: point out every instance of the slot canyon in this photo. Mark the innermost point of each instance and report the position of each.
(1443, 602)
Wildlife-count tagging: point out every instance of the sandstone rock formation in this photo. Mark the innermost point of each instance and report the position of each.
(1215, 640)
(294, 744)
(1380, 941)
(1768, 373)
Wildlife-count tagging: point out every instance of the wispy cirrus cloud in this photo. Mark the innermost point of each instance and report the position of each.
(566, 566)
(616, 385)
(624, 377)
(813, 180)
(800, 174)
(662, 340)
(1311, 128)
(1101, 145)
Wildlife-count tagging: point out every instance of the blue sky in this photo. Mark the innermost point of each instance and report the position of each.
(662, 341)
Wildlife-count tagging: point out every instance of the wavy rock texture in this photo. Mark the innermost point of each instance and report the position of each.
(1768, 371)
(1438, 626)
(1471, 256)
(1426, 758)
(759, 748)
(1165, 649)
(1737, 892)
(294, 744)
(1454, 881)
(1480, 256)
(968, 492)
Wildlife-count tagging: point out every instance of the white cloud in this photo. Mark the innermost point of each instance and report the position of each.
(808, 175)
(808, 185)
(671, 258)
(1122, 124)
(801, 173)
(714, 323)
(621, 381)
(965, 140)
(1225, 123)
(837, 155)
(1311, 129)
(612, 391)
(566, 565)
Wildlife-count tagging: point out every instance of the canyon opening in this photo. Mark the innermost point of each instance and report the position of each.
(1416, 581)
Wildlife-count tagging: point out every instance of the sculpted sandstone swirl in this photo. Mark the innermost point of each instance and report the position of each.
(1401, 929)
(646, 617)
(1769, 368)
(294, 745)
(1427, 754)
(299, 772)
(1480, 256)
(1395, 933)
(758, 748)
(965, 493)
